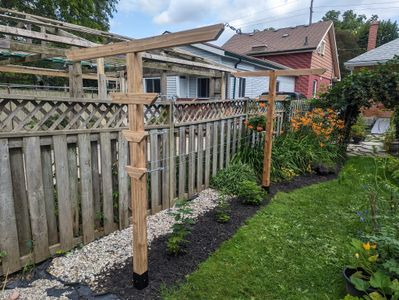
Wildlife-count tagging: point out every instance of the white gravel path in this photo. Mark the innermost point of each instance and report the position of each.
(37, 291)
(82, 265)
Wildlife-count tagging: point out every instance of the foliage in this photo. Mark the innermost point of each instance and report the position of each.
(222, 210)
(352, 32)
(301, 236)
(257, 123)
(2, 254)
(355, 91)
(250, 193)
(180, 229)
(358, 130)
(389, 137)
(228, 180)
(91, 13)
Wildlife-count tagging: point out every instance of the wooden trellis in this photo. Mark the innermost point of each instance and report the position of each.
(271, 108)
(136, 99)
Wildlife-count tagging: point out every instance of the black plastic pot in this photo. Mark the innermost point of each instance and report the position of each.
(350, 288)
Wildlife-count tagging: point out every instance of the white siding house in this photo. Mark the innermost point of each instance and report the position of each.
(187, 86)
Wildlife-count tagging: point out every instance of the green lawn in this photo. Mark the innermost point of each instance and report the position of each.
(295, 248)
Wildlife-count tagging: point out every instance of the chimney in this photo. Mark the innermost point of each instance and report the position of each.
(372, 35)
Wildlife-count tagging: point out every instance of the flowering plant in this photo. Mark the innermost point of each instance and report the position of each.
(257, 123)
(324, 124)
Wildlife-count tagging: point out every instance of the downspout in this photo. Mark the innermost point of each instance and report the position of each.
(235, 78)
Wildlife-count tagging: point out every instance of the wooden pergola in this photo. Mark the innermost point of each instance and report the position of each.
(29, 39)
(273, 74)
(135, 98)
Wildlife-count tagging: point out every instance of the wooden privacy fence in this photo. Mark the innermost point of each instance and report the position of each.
(62, 177)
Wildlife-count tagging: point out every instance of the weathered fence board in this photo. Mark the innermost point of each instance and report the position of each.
(80, 153)
(63, 192)
(48, 187)
(86, 187)
(106, 177)
(8, 226)
(20, 200)
(123, 182)
(36, 201)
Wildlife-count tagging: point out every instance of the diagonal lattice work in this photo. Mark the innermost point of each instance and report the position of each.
(38, 115)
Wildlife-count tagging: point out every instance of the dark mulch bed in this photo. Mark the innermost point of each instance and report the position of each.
(207, 235)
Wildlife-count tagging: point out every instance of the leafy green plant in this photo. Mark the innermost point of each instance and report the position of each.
(180, 229)
(257, 122)
(2, 255)
(358, 130)
(228, 180)
(250, 193)
(222, 210)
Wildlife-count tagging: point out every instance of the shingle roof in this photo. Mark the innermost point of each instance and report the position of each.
(303, 37)
(378, 55)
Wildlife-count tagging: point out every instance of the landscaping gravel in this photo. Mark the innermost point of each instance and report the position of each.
(81, 265)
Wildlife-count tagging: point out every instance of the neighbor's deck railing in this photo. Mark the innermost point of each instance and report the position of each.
(46, 144)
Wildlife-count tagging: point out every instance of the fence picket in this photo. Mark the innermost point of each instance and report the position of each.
(8, 226)
(63, 189)
(95, 171)
(215, 148)
(221, 146)
(37, 208)
(228, 142)
(154, 165)
(123, 182)
(165, 171)
(20, 200)
(191, 161)
(74, 187)
(208, 134)
(182, 162)
(200, 157)
(106, 178)
(86, 187)
(48, 187)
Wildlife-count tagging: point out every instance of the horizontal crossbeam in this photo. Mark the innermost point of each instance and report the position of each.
(134, 98)
(198, 35)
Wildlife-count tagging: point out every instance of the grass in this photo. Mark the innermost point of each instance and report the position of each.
(295, 248)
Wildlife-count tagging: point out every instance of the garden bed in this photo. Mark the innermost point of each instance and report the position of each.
(207, 235)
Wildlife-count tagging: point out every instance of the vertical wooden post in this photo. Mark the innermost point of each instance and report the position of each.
(164, 84)
(138, 159)
(269, 130)
(75, 80)
(101, 79)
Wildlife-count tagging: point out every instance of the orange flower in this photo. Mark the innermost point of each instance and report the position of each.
(250, 127)
(366, 246)
(262, 104)
(322, 145)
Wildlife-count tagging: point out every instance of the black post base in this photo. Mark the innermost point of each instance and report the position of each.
(140, 281)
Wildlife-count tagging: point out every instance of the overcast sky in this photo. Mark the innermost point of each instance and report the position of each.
(142, 18)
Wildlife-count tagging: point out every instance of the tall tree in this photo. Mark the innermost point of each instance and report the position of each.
(90, 13)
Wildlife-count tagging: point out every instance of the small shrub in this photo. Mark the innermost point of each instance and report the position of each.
(2, 255)
(182, 227)
(222, 210)
(228, 180)
(250, 193)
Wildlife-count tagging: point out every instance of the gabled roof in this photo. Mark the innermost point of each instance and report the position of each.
(290, 39)
(378, 55)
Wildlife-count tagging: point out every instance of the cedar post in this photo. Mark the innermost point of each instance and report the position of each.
(267, 158)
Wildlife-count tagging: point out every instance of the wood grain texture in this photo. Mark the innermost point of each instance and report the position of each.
(208, 140)
(123, 182)
(106, 178)
(215, 148)
(86, 187)
(182, 163)
(74, 187)
(155, 178)
(8, 226)
(63, 192)
(165, 171)
(200, 157)
(191, 161)
(37, 207)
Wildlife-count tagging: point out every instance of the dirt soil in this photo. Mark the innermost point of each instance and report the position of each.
(207, 235)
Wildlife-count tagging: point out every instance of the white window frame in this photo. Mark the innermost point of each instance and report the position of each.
(322, 48)
(314, 88)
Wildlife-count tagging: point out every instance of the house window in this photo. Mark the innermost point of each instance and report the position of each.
(321, 48)
(153, 85)
(277, 86)
(314, 88)
(203, 87)
(241, 87)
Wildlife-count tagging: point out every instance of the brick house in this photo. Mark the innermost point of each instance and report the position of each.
(305, 46)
